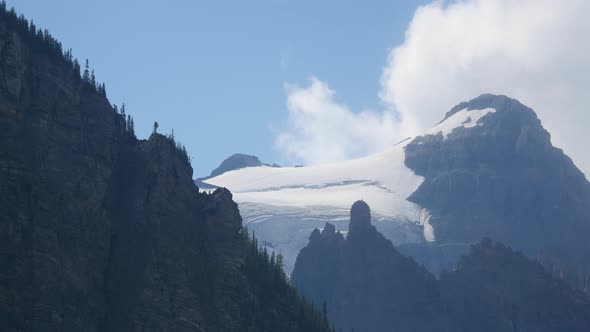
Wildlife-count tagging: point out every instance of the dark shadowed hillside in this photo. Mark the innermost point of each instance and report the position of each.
(368, 285)
(100, 231)
(365, 282)
(497, 289)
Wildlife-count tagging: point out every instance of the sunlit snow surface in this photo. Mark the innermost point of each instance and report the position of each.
(283, 205)
(462, 118)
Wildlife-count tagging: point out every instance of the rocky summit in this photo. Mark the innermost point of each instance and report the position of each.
(502, 179)
(236, 161)
(365, 284)
(487, 169)
(360, 217)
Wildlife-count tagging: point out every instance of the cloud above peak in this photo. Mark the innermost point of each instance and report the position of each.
(321, 130)
(531, 50)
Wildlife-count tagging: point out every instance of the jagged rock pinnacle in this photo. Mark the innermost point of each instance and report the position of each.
(360, 216)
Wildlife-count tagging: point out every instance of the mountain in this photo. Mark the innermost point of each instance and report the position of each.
(100, 231)
(496, 289)
(488, 169)
(283, 205)
(504, 180)
(236, 161)
(366, 284)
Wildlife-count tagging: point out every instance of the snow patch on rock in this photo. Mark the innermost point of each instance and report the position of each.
(428, 229)
(464, 118)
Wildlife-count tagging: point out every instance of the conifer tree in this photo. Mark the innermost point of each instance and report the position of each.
(156, 126)
(77, 67)
(131, 126)
(68, 55)
(93, 79)
(86, 75)
(280, 262)
(184, 152)
(102, 90)
(32, 27)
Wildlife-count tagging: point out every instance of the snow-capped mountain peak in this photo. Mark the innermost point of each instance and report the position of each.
(440, 186)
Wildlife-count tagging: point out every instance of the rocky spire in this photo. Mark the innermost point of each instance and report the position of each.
(360, 216)
(329, 230)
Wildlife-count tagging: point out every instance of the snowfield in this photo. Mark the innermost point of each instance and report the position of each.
(283, 205)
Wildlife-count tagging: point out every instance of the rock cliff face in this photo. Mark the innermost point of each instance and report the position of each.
(367, 285)
(495, 289)
(100, 231)
(502, 178)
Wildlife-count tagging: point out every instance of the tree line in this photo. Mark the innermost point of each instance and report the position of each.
(42, 41)
(270, 282)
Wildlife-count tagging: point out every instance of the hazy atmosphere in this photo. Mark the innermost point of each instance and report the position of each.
(294, 166)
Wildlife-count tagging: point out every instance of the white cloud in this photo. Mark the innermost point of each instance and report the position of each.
(322, 130)
(532, 50)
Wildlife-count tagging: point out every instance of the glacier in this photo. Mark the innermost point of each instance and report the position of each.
(282, 205)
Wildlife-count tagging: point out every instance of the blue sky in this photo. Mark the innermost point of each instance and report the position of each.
(215, 71)
(310, 82)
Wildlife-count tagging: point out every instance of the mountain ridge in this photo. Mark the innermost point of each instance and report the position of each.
(504, 180)
(476, 146)
(366, 284)
(100, 231)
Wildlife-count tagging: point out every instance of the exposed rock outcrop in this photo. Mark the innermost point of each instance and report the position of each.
(367, 285)
(236, 161)
(502, 178)
(360, 217)
(233, 162)
(100, 231)
(496, 289)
